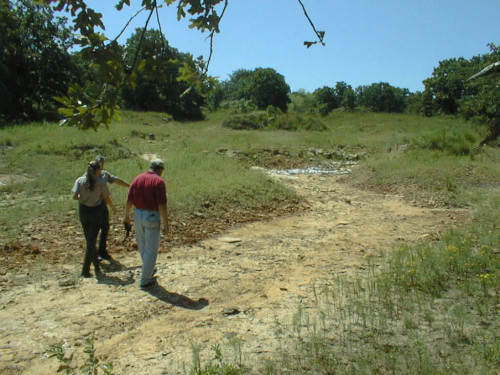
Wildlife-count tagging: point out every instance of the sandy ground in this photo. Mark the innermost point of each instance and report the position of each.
(243, 286)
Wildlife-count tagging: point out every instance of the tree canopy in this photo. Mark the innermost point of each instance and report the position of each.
(113, 72)
(449, 90)
(156, 86)
(32, 42)
(382, 97)
(326, 99)
(261, 88)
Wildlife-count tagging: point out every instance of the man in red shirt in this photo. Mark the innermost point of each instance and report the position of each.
(147, 193)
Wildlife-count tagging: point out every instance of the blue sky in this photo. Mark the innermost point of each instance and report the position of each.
(394, 41)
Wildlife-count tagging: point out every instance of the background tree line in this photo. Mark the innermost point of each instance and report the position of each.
(38, 63)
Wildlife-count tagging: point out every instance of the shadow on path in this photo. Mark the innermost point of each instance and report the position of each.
(112, 265)
(115, 280)
(177, 299)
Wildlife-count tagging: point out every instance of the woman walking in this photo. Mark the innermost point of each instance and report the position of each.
(90, 191)
(102, 252)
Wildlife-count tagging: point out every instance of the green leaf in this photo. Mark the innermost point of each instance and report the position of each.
(119, 6)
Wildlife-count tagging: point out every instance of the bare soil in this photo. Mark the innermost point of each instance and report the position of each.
(244, 283)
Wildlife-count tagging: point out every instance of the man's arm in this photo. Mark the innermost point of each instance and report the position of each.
(128, 208)
(164, 215)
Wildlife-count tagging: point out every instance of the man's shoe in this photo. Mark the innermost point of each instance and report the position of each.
(86, 274)
(149, 284)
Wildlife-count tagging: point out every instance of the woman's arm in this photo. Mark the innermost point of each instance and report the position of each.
(121, 182)
(75, 190)
(110, 203)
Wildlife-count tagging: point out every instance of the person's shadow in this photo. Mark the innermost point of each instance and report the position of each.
(110, 267)
(176, 299)
(113, 266)
(103, 278)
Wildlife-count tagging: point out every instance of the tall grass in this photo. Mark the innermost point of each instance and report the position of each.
(429, 308)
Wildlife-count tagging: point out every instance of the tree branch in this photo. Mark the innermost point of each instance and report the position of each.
(142, 37)
(319, 34)
(211, 36)
(128, 23)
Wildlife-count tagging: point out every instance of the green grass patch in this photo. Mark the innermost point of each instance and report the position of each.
(44, 160)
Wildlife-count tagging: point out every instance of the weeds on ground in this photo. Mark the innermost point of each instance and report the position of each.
(218, 365)
(428, 309)
(91, 366)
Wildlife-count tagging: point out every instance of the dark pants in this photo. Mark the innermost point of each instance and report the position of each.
(91, 219)
(103, 239)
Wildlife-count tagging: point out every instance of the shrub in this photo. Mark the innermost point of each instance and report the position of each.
(454, 141)
(295, 121)
(273, 118)
(239, 106)
(253, 120)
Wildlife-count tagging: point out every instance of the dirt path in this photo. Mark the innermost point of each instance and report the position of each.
(245, 284)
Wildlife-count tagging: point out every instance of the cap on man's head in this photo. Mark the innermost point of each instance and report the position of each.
(157, 164)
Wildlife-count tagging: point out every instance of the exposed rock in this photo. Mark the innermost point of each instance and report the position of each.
(230, 311)
(230, 239)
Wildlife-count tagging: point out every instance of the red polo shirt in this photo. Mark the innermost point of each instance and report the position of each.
(147, 191)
